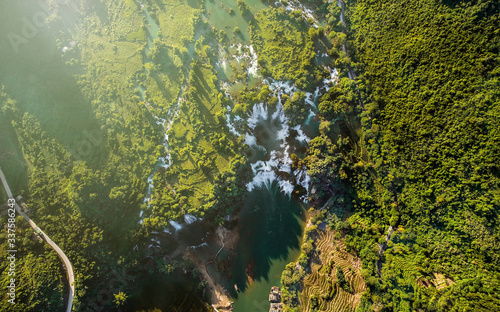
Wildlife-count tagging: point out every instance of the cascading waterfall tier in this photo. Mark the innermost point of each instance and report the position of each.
(273, 125)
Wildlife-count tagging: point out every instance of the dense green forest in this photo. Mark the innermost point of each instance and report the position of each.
(409, 153)
(404, 169)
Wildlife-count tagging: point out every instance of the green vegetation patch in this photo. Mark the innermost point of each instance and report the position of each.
(89, 145)
(285, 50)
(176, 20)
(199, 145)
(326, 277)
(227, 17)
(334, 283)
(165, 76)
(420, 182)
(138, 35)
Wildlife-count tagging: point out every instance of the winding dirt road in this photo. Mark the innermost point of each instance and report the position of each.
(60, 253)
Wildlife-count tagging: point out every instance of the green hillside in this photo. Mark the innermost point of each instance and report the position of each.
(426, 160)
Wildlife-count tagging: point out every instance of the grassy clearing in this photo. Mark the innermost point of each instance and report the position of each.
(121, 58)
(164, 77)
(139, 35)
(193, 134)
(176, 19)
(199, 146)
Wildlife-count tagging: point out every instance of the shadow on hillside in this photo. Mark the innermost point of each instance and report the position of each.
(39, 78)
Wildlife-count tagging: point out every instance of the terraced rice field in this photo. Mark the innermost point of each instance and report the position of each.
(321, 290)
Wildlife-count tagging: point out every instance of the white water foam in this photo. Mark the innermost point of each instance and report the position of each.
(197, 246)
(310, 98)
(286, 187)
(164, 161)
(301, 136)
(250, 140)
(294, 6)
(231, 126)
(190, 218)
(261, 178)
(177, 226)
(303, 178)
(265, 172)
(334, 78)
(259, 113)
(253, 68)
(281, 87)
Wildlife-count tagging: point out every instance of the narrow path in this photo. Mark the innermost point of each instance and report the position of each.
(60, 253)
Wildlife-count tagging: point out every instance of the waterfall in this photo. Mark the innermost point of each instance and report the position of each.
(301, 136)
(286, 186)
(334, 78)
(262, 132)
(150, 186)
(261, 178)
(164, 161)
(177, 226)
(189, 218)
(294, 6)
(197, 246)
(303, 178)
(259, 112)
(253, 69)
(231, 126)
(250, 140)
(311, 97)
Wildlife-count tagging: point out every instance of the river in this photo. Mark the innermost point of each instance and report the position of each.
(270, 238)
